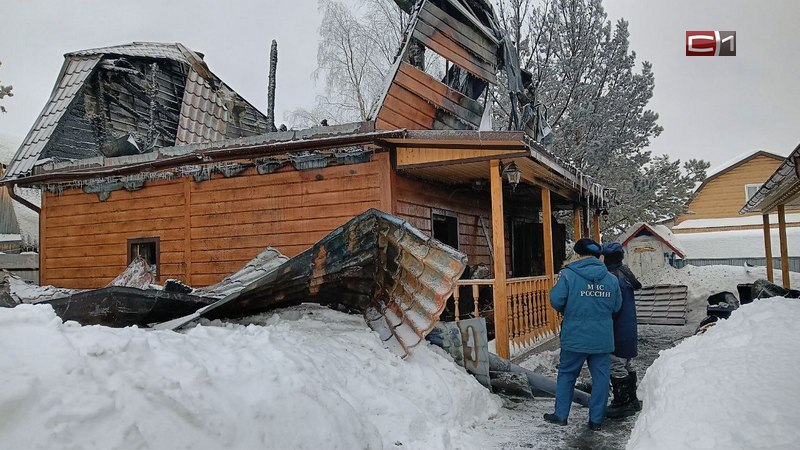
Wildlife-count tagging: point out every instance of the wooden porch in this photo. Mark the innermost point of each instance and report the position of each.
(520, 308)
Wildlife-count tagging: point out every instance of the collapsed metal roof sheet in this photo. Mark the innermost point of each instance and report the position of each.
(131, 99)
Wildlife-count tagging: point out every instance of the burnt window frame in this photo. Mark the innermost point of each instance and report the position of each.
(447, 215)
(147, 240)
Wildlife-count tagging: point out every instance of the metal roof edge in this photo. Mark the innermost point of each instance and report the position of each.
(769, 195)
(208, 152)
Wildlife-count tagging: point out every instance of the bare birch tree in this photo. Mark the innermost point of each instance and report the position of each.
(358, 44)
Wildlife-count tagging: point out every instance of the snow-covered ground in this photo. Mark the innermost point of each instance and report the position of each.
(305, 377)
(309, 377)
(733, 387)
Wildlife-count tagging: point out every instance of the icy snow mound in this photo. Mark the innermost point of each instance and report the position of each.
(733, 387)
(307, 378)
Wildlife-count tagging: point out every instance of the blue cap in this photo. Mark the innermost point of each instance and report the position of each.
(586, 246)
(613, 247)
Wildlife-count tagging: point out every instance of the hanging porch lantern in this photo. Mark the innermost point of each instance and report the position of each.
(512, 174)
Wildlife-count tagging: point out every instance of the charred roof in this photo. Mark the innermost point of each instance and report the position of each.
(132, 99)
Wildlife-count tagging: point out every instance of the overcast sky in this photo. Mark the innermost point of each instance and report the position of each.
(713, 108)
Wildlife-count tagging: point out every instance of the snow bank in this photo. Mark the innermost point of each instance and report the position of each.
(733, 387)
(307, 377)
(704, 281)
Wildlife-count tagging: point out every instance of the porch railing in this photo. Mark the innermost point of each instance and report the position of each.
(530, 319)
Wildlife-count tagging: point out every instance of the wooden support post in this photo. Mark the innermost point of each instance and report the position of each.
(547, 227)
(499, 244)
(42, 239)
(549, 266)
(784, 246)
(576, 223)
(187, 229)
(585, 221)
(768, 247)
(596, 226)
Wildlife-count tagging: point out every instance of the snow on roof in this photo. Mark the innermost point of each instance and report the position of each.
(716, 170)
(735, 243)
(732, 221)
(10, 237)
(660, 231)
(733, 162)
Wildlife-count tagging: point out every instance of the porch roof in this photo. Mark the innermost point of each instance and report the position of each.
(782, 188)
(460, 157)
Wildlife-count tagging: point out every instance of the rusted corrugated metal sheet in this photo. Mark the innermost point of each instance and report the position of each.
(377, 265)
(663, 304)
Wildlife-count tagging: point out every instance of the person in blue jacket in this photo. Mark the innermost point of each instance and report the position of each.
(587, 295)
(623, 377)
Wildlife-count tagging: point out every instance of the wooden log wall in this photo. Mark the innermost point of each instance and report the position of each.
(417, 101)
(207, 230)
(415, 200)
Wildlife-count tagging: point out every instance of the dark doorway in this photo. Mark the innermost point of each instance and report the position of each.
(527, 247)
(445, 227)
(523, 234)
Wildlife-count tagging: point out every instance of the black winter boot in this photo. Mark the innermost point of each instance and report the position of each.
(552, 418)
(616, 391)
(637, 404)
(623, 403)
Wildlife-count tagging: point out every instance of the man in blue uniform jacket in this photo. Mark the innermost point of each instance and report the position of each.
(587, 295)
(623, 377)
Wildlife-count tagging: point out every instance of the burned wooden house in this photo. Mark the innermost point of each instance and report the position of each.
(141, 150)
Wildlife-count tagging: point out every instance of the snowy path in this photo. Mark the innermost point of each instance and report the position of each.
(520, 425)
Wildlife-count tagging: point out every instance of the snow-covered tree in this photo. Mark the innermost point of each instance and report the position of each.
(5, 91)
(585, 76)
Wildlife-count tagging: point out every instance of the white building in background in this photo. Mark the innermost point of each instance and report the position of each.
(648, 248)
